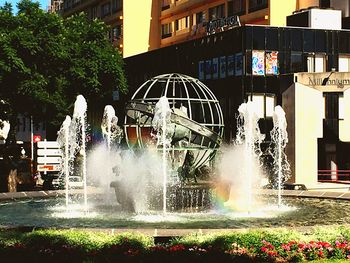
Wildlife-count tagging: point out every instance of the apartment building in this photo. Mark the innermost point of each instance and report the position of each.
(151, 24)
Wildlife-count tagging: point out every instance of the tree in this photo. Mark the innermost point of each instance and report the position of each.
(46, 61)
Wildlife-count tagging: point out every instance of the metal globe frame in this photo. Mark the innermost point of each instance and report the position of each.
(204, 118)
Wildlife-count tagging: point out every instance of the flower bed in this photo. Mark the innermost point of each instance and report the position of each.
(249, 246)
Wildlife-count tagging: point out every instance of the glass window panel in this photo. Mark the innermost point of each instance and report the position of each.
(238, 7)
(309, 41)
(344, 42)
(320, 63)
(182, 23)
(344, 62)
(296, 44)
(258, 38)
(310, 64)
(320, 42)
(270, 105)
(217, 12)
(271, 39)
(248, 37)
(255, 5)
(296, 62)
(166, 30)
(258, 102)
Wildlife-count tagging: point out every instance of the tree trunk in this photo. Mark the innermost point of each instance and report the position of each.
(12, 181)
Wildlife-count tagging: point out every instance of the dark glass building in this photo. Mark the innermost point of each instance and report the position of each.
(249, 62)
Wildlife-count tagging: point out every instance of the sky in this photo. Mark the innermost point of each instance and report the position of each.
(43, 4)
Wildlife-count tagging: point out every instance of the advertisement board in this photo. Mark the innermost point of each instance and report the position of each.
(258, 63)
(271, 62)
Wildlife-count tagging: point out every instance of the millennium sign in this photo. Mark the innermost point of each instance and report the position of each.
(340, 83)
(221, 23)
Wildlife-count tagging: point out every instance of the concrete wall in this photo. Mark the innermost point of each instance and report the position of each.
(305, 119)
(279, 10)
(288, 104)
(138, 25)
(344, 125)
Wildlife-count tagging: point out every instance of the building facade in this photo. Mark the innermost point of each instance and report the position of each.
(151, 24)
(257, 63)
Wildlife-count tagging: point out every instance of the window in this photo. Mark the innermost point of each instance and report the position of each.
(182, 23)
(344, 63)
(320, 63)
(117, 32)
(167, 30)
(309, 41)
(264, 105)
(200, 18)
(296, 42)
(238, 7)
(106, 9)
(117, 5)
(166, 4)
(296, 62)
(272, 39)
(316, 63)
(255, 5)
(217, 12)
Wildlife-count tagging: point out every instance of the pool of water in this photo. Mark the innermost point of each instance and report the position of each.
(53, 213)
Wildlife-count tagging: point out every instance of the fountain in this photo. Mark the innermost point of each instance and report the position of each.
(167, 180)
(248, 140)
(279, 140)
(110, 130)
(162, 124)
(63, 141)
(72, 139)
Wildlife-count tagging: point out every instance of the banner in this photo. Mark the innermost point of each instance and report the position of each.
(231, 65)
(201, 70)
(258, 63)
(222, 67)
(239, 64)
(215, 68)
(208, 69)
(271, 63)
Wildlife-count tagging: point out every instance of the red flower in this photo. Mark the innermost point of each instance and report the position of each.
(177, 248)
(264, 249)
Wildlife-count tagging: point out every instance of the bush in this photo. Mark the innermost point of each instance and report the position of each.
(241, 246)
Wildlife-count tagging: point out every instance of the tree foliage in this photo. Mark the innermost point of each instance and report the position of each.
(46, 61)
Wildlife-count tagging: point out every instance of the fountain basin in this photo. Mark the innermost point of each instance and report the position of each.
(40, 209)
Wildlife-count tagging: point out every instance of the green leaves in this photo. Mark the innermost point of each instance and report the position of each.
(47, 61)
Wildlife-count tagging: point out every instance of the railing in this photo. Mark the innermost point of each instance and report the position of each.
(334, 176)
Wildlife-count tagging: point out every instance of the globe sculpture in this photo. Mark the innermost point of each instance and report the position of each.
(196, 117)
(194, 134)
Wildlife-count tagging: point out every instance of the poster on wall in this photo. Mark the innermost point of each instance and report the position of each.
(215, 68)
(208, 69)
(201, 70)
(271, 62)
(239, 64)
(258, 63)
(222, 67)
(231, 65)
